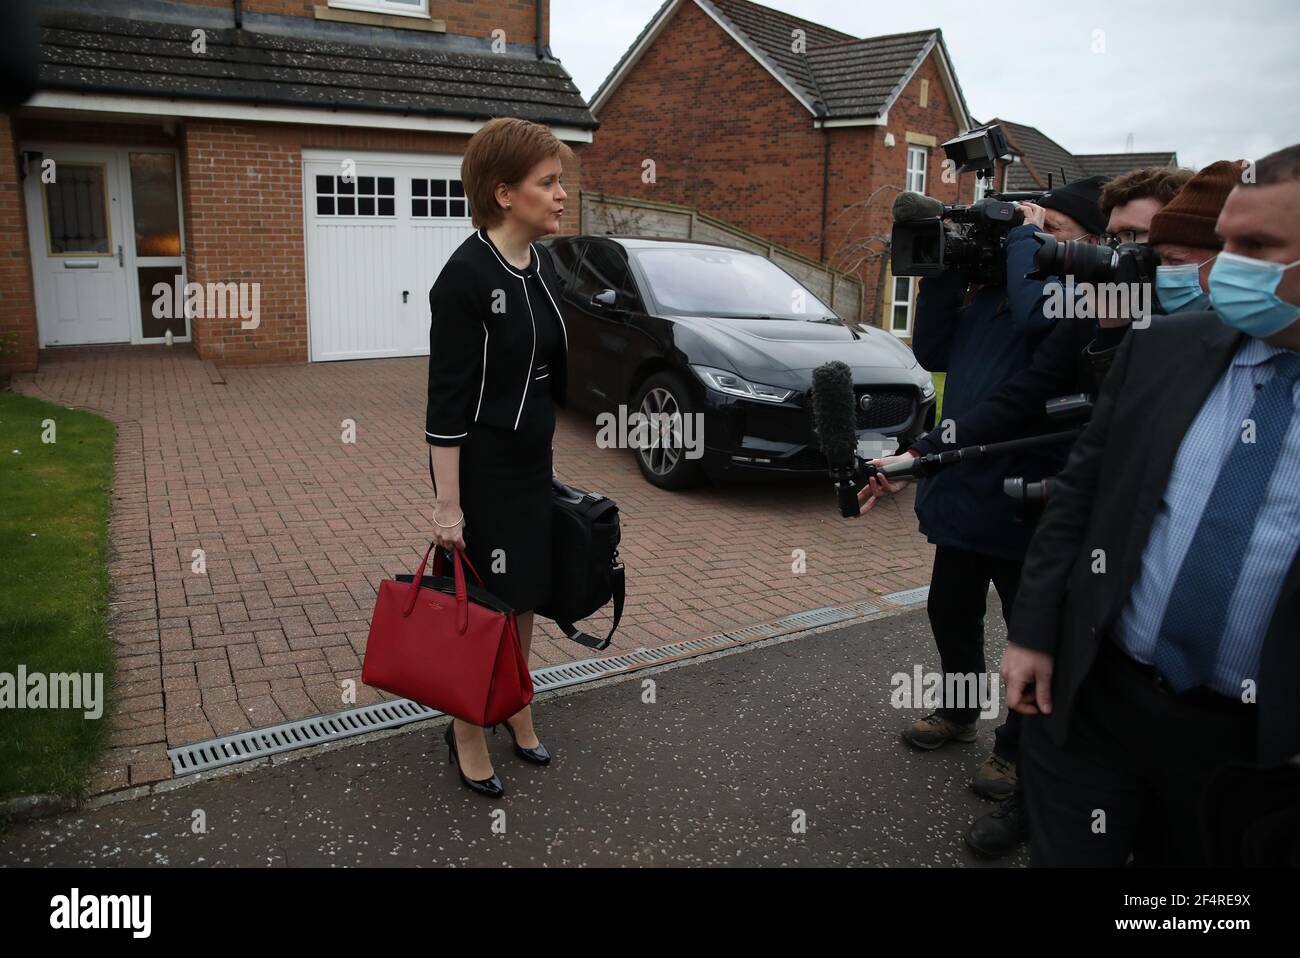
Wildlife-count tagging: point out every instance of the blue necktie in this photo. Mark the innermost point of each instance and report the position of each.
(1198, 605)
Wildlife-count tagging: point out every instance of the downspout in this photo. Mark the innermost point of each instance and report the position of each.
(537, 35)
(239, 14)
(826, 178)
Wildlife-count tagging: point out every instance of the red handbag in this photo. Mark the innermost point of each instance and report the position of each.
(448, 645)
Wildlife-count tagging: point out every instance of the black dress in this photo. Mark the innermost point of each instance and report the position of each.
(505, 477)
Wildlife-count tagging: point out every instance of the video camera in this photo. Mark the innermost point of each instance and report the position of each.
(930, 238)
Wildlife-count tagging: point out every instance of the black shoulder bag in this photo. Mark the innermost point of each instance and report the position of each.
(586, 572)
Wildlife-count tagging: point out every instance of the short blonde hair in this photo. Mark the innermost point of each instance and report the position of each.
(503, 151)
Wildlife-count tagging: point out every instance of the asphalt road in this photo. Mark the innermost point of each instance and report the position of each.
(732, 756)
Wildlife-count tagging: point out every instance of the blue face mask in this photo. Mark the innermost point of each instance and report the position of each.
(1179, 288)
(1244, 293)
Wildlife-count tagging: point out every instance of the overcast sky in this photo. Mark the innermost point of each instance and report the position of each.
(1211, 80)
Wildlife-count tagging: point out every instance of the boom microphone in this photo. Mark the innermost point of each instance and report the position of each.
(832, 409)
(914, 206)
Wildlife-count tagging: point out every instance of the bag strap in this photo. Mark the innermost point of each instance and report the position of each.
(590, 641)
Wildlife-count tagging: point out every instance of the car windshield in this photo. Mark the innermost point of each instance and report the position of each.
(723, 282)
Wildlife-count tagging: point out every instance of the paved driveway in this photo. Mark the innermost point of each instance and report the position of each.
(297, 522)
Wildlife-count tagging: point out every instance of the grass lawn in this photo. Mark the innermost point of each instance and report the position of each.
(54, 506)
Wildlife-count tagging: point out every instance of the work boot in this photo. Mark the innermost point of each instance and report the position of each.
(935, 730)
(995, 779)
(1002, 830)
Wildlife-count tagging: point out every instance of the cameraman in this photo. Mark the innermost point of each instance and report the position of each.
(963, 512)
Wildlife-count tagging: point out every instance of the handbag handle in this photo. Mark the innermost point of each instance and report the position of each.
(458, 574)
(440, 565)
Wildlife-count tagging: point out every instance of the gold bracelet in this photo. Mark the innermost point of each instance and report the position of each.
(453, 525)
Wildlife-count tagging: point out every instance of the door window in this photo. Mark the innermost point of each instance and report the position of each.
(603, 267)
(565, 256)
(153, 201)
(76, 210)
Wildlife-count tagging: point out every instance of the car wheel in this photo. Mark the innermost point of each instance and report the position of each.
(664, 399)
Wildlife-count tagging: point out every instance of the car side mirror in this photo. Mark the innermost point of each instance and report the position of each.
(606, 297)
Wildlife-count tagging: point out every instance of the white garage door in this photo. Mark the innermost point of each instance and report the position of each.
(379, 229)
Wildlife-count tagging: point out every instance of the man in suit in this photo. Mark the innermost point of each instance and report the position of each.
(1153, 640)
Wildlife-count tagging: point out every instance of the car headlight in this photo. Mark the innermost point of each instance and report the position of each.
(733, 385)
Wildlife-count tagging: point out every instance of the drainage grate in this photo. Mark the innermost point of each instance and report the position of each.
(574, 673)
(259, 743)
(864, 608)
(818, 617)
(909, 596)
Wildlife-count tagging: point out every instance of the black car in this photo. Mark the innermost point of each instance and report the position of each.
(697, 334)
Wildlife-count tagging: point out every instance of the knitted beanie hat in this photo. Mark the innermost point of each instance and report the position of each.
(1189, 218)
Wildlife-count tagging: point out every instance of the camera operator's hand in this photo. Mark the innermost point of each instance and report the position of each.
(878, 487)
(1035, 215)
(1027, 676)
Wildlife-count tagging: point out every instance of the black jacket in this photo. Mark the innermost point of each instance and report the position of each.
(981, 345)
(1108, 497)
(1067, 361)
(482, 341)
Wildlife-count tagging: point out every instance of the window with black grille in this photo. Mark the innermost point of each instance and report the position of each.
(438, 199)
(340, 195)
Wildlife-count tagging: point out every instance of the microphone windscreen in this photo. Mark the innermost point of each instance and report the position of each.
(914, 206)
(832, 409)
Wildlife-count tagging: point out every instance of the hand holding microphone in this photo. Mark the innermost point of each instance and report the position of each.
(880, 484)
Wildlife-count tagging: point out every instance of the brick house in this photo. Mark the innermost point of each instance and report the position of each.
(785, 128)
(1038, 160)
(300, 156)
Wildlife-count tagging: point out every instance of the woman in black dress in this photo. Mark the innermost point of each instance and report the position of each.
(497, 350)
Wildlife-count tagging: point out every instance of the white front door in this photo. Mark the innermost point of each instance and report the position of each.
(106, 243)
(379, 228)
(75, 214)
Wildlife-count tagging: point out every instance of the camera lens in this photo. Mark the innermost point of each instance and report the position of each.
(1085, 262)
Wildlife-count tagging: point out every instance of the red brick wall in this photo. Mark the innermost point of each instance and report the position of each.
(17, 299)
(861, 162)
(725, 136)
(729, 139)
(241, 186)
(476, 18)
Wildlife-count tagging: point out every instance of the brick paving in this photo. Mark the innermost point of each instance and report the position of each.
(297, 525)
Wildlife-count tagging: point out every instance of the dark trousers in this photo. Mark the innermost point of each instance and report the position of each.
(959, 588)
(1133, 770)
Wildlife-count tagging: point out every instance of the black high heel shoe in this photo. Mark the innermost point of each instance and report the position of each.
(491, 787)
(538, 755)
